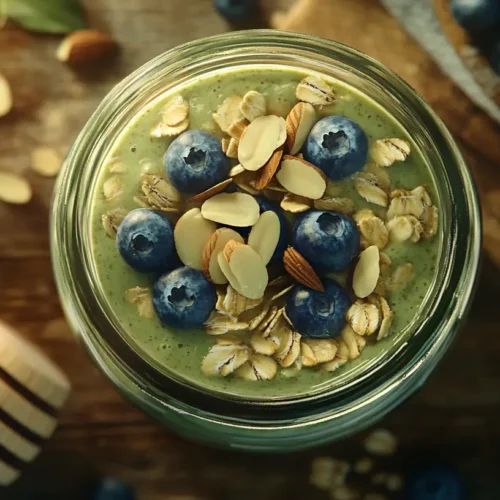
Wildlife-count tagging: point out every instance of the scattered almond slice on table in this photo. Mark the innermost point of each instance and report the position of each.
(14, 189)
(233, 209)
(299, 269)
(191, 234)
(259, 141)
(6, 101)
(86, 46)
(46, 161)
(301, 177)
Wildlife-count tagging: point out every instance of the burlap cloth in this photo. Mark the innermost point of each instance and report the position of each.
(368, 26)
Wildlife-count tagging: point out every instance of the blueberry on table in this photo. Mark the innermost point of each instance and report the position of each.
(266, 205)
(234, 9)
(145, 240)
(476, 15)
(338, 146)
(194, 161)
(183, 298)
(113, 489)
(318, 314)
(328, 240)
(435, 483)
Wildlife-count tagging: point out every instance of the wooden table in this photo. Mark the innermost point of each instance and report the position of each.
(454, 418)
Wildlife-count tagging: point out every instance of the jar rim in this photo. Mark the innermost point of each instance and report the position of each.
(66, 223)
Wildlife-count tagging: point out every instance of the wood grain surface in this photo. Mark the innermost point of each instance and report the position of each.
(453, 418)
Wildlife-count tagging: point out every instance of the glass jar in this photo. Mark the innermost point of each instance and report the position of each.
(280, 425)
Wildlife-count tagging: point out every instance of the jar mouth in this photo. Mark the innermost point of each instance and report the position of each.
(459, 256)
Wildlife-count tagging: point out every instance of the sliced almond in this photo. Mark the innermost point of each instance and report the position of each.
(295, 204)
(266, 173)
(175, 111)
(236, 129)
(366, 272)
(258, 367)
(316, 91)
(205, 195)
(112, 188)
(232, 148)
(253, 105)
(161, 129)
(213, 247)
(142, 298)
(86, 46)
(299, 269)
(373, 232)
(248, 273)
(233, 209)
(112, 219)
(228, 112)
(191, 234)
(265, 234)
(236, 170)
(342, 205)
(363, 317)
(246, 182)
(6, 101)
(259, 140)
(385, 152)
(369, 191)
(301, 177)
(46, 161)
(299, 123)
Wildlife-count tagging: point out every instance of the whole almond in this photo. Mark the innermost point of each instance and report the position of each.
(299, 269)
(86, 46)
(299, 123)
(266, 173)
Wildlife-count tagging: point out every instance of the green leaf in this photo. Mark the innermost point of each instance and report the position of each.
(47, 16)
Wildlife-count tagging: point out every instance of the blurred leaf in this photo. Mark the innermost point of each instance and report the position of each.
(48, 16)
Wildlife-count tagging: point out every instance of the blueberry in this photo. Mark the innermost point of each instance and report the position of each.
(266, 205)
(435, 483)
(145, 240)
(183, 298)
(234, 9)
(338, 146)
(195, 161)
(328, 240)
(113, 489)
(318, 314)
(476, 15)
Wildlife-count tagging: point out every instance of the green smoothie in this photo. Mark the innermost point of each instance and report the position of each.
(136, 152)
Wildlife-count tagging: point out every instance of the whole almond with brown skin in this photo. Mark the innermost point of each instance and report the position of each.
(86, 46)
(299, 269)
(267, 172)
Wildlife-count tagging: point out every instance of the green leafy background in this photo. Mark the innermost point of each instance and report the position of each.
(47, 16)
